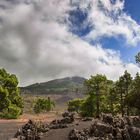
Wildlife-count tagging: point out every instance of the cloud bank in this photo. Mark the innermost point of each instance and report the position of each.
(37, 42)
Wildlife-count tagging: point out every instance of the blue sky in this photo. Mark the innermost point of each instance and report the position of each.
(127, 51)
(132, 8)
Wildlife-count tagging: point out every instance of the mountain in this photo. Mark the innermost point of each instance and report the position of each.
(64, 85)
(60, 90)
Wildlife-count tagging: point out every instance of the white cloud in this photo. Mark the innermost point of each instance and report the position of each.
(110, 20)
(37, 46)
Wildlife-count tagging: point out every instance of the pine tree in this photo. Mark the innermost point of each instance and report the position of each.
(123, 85)
(96, 86)
(11, 103)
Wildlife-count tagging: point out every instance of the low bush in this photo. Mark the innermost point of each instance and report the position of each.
(42, 104)
(75, 105)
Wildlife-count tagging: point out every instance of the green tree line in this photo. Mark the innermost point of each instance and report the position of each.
(107, 96)
(103, 95)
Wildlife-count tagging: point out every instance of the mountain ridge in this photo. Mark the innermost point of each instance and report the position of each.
(61, 85)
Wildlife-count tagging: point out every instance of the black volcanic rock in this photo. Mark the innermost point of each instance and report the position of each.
(106, 129)
(95, 130)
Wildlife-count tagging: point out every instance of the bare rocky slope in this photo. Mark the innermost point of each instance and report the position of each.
(62, 90)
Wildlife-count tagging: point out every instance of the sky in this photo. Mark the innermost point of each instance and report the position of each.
(42, 40)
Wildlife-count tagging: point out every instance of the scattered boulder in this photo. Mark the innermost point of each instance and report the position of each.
(31, 131)
(125, 135)
(105, 128)
(127, 120)
(34, 130)
(62, 123)
(100, 130)
(68, 117)
(135, 121)
(109, 128)
(79, 135)
(134, 133)
(55, 124)
(107, 118)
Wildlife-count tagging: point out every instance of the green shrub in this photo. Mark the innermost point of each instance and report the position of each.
(42, 104)
(75, 105)
(88, 107)
(12, 112)
(85, 107)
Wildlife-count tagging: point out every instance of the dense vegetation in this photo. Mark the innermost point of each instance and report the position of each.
(103, 95)
(11, 103)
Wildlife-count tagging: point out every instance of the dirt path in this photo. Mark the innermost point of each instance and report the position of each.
(62, 134)
(8, 128)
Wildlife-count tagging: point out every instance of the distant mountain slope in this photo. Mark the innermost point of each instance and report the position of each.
(68, 84)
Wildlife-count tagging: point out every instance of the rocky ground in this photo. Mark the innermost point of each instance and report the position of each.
(69, 128)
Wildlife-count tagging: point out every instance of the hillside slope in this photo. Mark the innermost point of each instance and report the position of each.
(61, 90)
(68, 84)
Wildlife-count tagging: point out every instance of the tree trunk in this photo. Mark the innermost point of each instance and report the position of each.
(97, 105)
(128, 111)
(127, 107)
(122, 106)
(111, 106)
